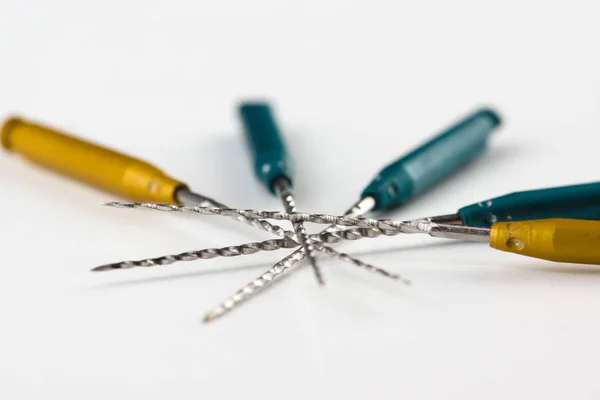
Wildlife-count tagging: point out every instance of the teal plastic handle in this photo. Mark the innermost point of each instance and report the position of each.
(575, 202)
(433, 161)
(268, 149)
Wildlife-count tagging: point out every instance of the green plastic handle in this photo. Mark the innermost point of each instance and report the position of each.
(433, 161)
(268, 149)
(573, 202)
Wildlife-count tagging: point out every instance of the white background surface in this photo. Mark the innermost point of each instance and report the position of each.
(356, 84)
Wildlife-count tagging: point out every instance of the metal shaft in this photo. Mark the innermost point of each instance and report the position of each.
(250, 248)
(415, 226)
(419, 226)
(216, 208)
(450, 231)
(186, 196)
(204, 254)
(346, 220)
(433, 229)
(284, 190)
(245, 216)
(453, 219)
(255, 247)
(282, 267)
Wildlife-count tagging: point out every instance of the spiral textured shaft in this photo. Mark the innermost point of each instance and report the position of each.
(252, 248)
(204, 254)
(281, 268)
(238, 214)
(285, 193)
(328, 219)
(222, 211)
(329, 236)
(277, 271)
(361, 264)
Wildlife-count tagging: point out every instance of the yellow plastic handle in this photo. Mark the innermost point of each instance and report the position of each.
(98, 166)
(561, 240)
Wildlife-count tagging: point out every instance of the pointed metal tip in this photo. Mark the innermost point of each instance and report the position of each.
(111, 204)
(209, 317)
(318, 275)
(315, 266)
(102, 268)
(401, 279)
